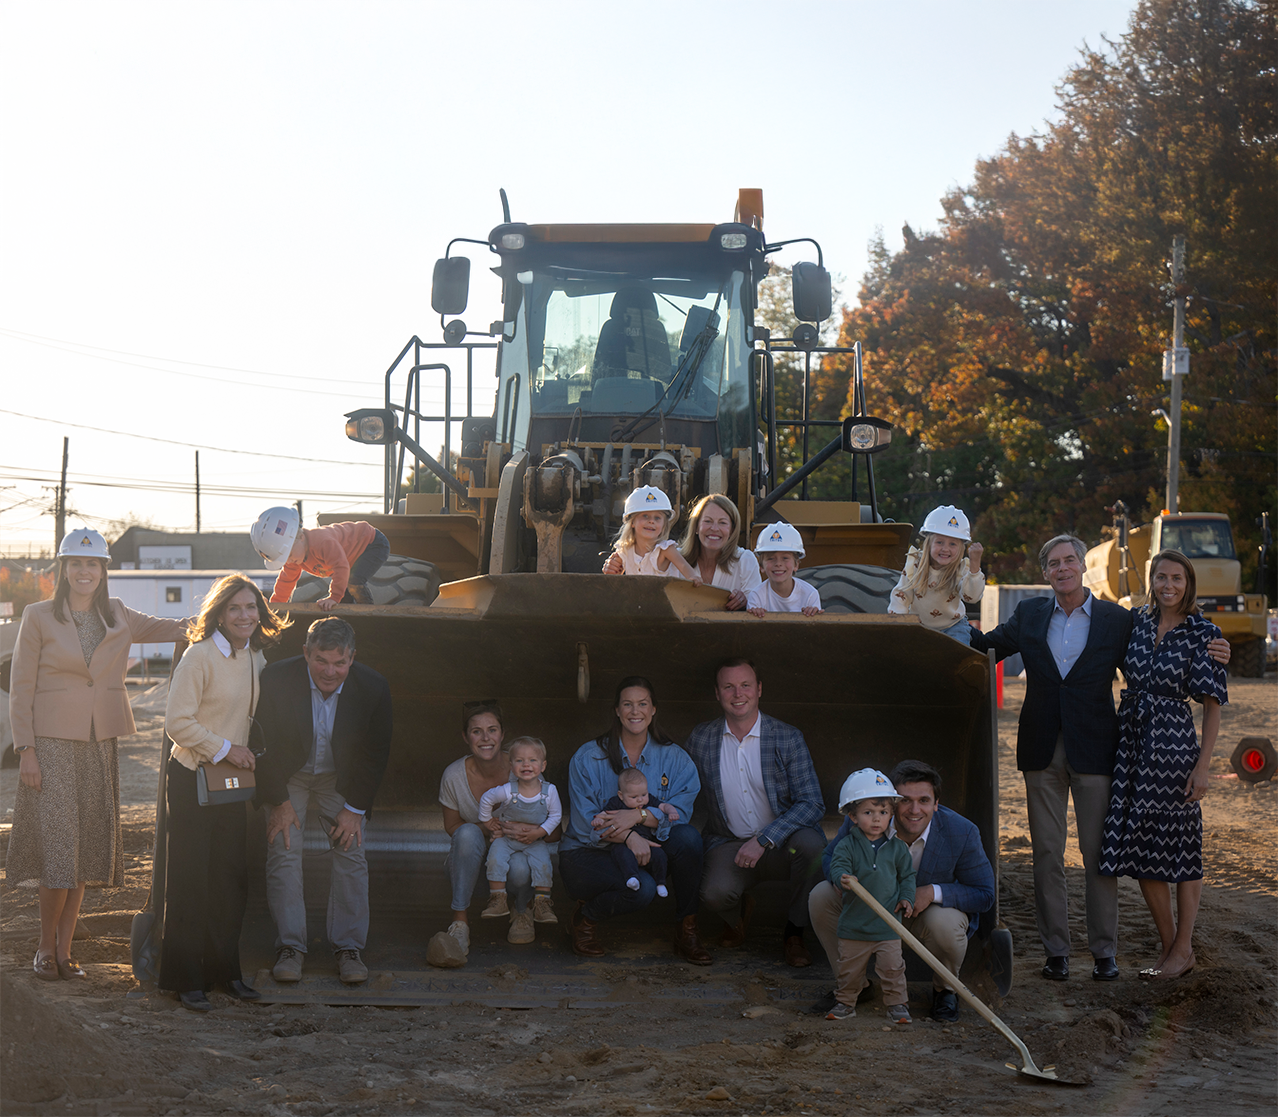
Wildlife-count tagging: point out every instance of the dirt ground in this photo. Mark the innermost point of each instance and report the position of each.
(667, 1037)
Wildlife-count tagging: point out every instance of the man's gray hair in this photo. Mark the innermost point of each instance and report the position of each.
(330, 634)
(1080, 548)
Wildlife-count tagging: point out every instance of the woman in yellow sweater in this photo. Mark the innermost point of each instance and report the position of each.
(212, 697)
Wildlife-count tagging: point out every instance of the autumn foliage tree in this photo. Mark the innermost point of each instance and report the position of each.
(1018, 348)
(25, 586)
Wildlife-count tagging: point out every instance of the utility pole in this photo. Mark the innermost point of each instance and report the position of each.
(197, 492)
(1175, 369)
(60, 514)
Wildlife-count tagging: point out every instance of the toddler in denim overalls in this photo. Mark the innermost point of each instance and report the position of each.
(532, 801)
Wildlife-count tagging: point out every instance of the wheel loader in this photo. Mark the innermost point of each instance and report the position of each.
(629, 355)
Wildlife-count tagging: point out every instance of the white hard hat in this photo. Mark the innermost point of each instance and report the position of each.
(780, 537)
(84, 541)
(948, 520)
(868, 783)
(273, 535)
(647, 498)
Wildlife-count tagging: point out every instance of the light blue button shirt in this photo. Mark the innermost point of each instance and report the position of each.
(1067, 635)
(323, 710)
(672, 778)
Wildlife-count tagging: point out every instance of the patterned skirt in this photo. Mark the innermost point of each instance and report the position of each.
(68, 833)
(1151, 831)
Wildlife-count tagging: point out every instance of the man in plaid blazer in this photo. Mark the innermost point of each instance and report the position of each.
(765, 809)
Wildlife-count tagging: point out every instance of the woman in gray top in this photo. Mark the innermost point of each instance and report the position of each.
(460, 789)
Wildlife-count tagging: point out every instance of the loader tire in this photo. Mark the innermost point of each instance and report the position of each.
(1248, 659)
(847, 588)
(400, 581)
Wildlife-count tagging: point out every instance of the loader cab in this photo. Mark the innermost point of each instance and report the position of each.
(609, 329)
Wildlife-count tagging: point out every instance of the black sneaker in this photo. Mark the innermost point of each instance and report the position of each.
(824, 1005)
(944, 1006)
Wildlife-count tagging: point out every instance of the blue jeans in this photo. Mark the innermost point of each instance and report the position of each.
(961, 631)
(465, 860)
(592, 876)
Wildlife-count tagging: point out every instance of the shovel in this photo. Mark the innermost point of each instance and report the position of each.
(1027, 1065)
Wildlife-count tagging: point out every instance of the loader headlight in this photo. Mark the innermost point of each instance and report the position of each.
(864, 434)
(371, 425)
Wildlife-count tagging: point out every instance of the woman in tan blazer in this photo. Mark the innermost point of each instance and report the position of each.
(68, 705)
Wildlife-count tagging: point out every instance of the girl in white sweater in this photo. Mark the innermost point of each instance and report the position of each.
(938, 578)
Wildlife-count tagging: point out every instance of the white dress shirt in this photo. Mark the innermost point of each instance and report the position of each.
(916, 848)
(745, 804)
(1067, 635)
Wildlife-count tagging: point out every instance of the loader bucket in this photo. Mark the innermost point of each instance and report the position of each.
(864, 689)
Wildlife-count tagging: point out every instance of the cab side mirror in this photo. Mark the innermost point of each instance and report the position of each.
(450, 285)
(812, 292)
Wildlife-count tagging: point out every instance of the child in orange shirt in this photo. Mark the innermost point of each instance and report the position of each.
(348, 554)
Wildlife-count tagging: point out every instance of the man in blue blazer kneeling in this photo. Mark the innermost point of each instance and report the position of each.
(954, 882)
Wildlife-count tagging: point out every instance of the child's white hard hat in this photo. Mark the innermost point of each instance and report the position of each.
(780, 537)
(868, 783)
(84, 541)
(948, 520)
(647, 498)
(273, 535)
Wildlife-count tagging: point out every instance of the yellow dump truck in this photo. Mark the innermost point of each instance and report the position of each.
(1118, 570)
(629, 355)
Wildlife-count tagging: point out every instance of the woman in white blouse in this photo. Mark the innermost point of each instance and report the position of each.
(710, 546)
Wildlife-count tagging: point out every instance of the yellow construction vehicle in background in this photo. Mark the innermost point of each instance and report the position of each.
(1118, 570)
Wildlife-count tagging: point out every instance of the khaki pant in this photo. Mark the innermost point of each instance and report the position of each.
(1047, 794)
(854, 957)
(942, 930)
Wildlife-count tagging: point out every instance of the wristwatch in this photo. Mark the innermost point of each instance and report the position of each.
(643, 814)
(767, 843)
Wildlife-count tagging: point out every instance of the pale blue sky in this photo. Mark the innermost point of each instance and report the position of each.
(260, 190)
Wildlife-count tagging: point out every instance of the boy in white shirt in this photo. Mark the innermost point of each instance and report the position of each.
(780, 547)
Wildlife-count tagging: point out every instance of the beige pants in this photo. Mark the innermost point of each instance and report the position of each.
(942, 930)
(889, 964)
(1047, 794)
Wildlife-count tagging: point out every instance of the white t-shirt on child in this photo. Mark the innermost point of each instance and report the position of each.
(646, 564)
(764, 597)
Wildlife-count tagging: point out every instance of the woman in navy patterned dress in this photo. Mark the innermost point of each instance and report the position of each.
(1154, 829)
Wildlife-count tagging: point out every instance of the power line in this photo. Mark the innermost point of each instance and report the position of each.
(22, 335)
(186, 487)
(189, 445)
(194, 375)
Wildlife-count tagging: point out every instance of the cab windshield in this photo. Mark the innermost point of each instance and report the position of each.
(621, 344)
(1198, 538)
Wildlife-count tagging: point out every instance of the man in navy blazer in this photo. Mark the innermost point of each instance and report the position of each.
(765, 809)
(954, 879)
(326, 726)
(1071, 643)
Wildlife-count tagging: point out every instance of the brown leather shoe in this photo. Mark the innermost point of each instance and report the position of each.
(582, 933)
(735, 935)
(687, 945)
(796, 954)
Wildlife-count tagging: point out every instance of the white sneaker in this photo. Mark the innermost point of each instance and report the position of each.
(461, 932)
(633, 884)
